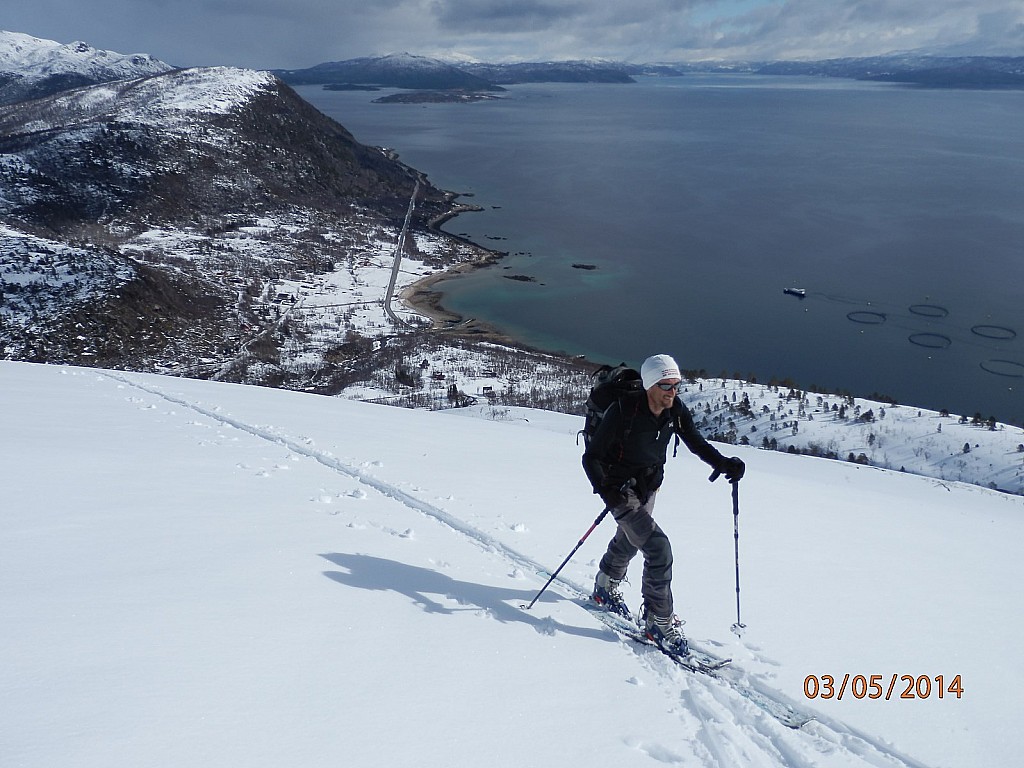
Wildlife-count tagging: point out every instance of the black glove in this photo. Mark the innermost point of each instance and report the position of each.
(615, 497)
(733, 468)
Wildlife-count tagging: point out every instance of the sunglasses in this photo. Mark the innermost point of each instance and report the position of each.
(669, 387)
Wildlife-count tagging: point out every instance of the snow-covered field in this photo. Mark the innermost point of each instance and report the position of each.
(941, 445)
(194, 573)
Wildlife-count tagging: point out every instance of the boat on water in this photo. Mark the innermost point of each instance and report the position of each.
(799, 292)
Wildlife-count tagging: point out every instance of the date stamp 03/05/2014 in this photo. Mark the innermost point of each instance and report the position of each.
(883, 687)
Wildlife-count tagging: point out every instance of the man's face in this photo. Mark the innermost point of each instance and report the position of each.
(663, 393)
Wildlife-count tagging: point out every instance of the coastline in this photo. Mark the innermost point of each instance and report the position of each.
(423, 299)
(420, 296)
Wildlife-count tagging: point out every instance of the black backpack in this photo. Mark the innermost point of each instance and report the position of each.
(608, 384)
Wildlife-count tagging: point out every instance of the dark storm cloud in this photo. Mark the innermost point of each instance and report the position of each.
(601, 17)
(498, 15)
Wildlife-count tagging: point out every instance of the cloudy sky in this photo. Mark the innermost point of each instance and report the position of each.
(299, 33)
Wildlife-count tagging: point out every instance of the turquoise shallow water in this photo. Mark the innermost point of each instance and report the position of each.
(698, 199)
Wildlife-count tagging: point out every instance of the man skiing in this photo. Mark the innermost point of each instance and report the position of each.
(625, 463)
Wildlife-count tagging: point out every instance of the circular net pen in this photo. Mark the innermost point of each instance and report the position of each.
(930, 340)
(996, 332)
(1010, 369)
(929, 310)
(867, 318)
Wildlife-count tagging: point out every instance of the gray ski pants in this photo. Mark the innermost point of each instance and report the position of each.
(638, 532)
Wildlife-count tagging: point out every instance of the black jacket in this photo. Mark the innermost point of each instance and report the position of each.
(631, 444)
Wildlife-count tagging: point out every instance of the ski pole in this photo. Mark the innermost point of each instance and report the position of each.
(558, 570)
(739, 626)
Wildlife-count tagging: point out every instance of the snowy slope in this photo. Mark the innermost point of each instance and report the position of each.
(901, 437)
(208, 574)
(31, 66)
(33, 56)
(170, 102)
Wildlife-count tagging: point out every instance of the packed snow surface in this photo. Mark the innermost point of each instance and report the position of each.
(206, 574)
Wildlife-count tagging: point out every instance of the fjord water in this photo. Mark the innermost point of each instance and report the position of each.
(698, 199)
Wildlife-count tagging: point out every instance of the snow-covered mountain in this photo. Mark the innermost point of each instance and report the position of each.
(206, 188)
(418, 72)
(31, 67)
(578, 71)
(917, 68)
(206, 574)
(134, 143)
(401, 70)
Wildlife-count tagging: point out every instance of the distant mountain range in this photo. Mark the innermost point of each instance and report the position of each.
(553, 72)
(934, 71)
(396, 71)
(411, 72)
(31, 67)
(405, 70)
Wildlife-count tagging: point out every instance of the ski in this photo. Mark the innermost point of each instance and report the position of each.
(700, 661)
(696, 661)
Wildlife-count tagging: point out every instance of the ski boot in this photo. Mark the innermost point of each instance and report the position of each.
(666, 633)
(607, 595)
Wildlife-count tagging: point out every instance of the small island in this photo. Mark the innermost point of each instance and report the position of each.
(584, 266)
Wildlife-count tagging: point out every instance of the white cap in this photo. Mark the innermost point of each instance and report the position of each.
(658, 367)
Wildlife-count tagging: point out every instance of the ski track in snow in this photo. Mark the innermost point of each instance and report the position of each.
(707, 701)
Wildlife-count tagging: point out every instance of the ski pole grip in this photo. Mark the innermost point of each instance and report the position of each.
(714, 475)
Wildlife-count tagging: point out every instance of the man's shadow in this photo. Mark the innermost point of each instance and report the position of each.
(424, 586)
